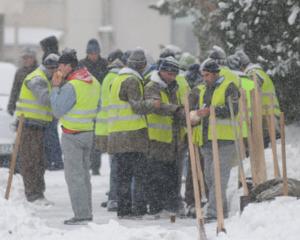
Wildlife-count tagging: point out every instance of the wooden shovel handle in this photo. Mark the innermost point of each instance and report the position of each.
(14, 156)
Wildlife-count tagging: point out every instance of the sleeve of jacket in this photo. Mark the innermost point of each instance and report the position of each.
(15, 91)
(152, 92)
(194, 99)
(130, 92)
(62, 99)
(224, 111)
(39, 88)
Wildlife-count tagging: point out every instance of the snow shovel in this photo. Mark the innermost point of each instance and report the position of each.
(283, 153)
(199, 215)
(200, 175)
(272, 133)
(14, 156)
(249, 131)
(217, 173)
(258, 144)
(240, 151)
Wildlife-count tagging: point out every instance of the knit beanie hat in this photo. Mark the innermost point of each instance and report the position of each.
(137, 57)
(51, 61)
(169, 64)
(49, 45)
(210, 65)
(186, 60)
(69, 57)
(28, 52)
(244, 59)
(93, 46)
(116, 54)
(234, 62)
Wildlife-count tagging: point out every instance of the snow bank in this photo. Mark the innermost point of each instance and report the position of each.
(275, 220)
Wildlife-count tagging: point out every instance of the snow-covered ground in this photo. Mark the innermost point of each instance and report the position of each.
(20, 220)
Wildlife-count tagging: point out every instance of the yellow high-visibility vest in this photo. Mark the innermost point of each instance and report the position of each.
(101, 128)
(121, 117)
(224, 127)
(28, 104)
(268, 90)
(82, 115)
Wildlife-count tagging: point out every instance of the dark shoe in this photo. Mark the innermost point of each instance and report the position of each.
(78, 221)
(112, 205)
(104, 204)
(95, 172)
(210, 219)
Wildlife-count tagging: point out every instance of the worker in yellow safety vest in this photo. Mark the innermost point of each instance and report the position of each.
(75, 100)
(215, 92)
(34, 105)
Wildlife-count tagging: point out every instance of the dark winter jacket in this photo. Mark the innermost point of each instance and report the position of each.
(221, 111)
(171, 151)
(16, 88)
(98, 69)
(114, 67)
(131, 141)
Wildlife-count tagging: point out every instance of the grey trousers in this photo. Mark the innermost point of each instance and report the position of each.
(226, 154)
(77, 151)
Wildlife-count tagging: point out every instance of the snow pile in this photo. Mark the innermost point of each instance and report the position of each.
(275, 220)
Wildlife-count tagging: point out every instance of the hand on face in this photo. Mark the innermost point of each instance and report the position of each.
(57, 78)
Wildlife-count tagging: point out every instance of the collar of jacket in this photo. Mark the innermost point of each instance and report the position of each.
(127, 70)
(239, 73)
(81, 74)
(252, 66)
(216, 83)
(46, 71)
(156, 78)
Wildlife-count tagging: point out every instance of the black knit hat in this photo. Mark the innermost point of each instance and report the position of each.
(169, 64)
(93, 46)
(69, 57)
(49, 45)
(116, 54)
(210, 65)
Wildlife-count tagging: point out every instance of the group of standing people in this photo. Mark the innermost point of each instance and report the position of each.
(134, 111)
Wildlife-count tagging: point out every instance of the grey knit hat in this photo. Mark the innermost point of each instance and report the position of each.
(137, 57)
(244, 59)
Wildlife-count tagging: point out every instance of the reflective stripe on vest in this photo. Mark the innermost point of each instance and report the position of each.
(101, 128)
(159, 126)
(268, 90)
(121, 117)
(224, 127)
(183, 87)
(81, 116)
(28, 104)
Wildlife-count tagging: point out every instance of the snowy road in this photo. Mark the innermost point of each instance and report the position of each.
(19, 220)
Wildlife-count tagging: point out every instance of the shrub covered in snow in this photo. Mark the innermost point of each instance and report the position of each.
(268, 30)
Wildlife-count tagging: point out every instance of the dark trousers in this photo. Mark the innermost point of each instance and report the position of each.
(32, 162)
(162, 187)
(189, 189)
(129, 166)
(53, 152)
(95, 158)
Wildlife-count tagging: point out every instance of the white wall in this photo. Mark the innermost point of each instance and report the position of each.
(82, 20)
(137, 25)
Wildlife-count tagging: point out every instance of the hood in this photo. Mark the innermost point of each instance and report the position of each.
(127, 70)
(156, 78)
(81, 74)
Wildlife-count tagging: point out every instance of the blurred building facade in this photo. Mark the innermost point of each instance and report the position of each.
(123, 24)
